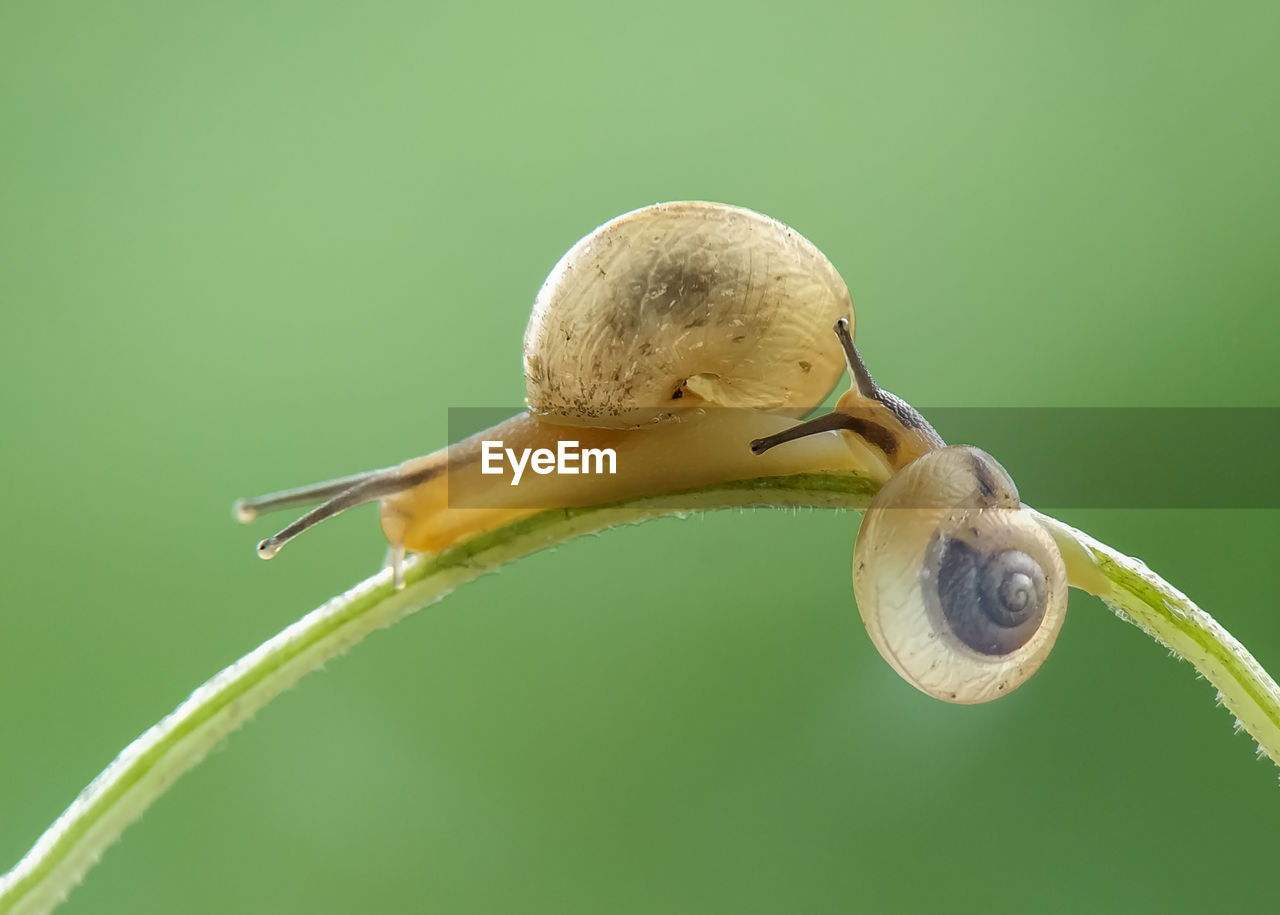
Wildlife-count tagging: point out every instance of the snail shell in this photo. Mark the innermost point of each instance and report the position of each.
(684, 304)
(961, 591)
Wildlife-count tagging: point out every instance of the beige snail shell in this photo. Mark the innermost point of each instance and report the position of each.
(962, 591)
(680, 304)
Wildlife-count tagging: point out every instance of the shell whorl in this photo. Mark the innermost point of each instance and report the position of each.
(705, 301)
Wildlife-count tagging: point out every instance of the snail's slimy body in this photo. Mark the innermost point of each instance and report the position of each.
(700, 447)
(673, 335)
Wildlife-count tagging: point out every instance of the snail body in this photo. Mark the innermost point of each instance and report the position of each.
(698, 449)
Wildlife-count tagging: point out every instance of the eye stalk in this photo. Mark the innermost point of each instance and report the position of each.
(883, 421)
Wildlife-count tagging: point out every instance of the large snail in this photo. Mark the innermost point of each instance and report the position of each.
(686, 338)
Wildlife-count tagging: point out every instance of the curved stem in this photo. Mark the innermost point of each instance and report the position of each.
(149, 765)
(1141, 597)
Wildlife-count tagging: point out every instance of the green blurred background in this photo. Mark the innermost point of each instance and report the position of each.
(250, 245)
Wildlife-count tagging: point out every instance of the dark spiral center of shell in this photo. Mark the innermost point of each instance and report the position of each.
(993, 602)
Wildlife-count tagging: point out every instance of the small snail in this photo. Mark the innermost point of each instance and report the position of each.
(676, 335)
(962, 592)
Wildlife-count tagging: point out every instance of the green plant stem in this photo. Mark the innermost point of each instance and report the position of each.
(149, 765)
(1139, 596)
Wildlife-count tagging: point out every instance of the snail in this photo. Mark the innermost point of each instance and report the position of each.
(669, 336)
(685, 339)
(961, 590)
